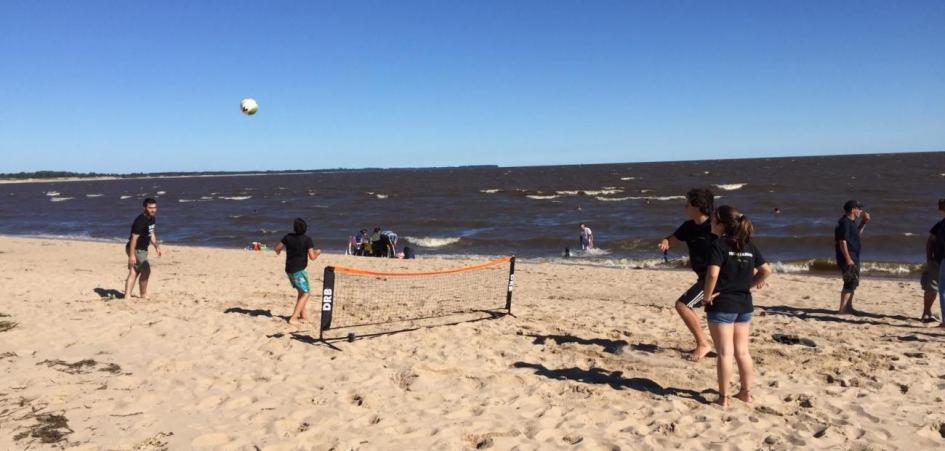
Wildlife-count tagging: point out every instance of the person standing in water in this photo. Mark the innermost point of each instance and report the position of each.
(697, 234)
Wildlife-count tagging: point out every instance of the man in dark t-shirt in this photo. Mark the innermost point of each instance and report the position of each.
(933, 276)
(299, 250)
(142, 235)
(697, 234)
(847, 243)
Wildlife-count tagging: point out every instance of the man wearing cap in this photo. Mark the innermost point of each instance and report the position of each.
(847, 237)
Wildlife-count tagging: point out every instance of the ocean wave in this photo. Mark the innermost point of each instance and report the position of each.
(828, 265)
(184, 201)
(125, 196)
(60, 199)
(432, 241)
(236, 197)
(567, 193)
(381, 196)
(542, 197)
(206, 197)
(601, 192)
(161, 193)
(52, 193)
(490, 190)
(627, 178)
(94, 195)
(620, 199)
(730, 186)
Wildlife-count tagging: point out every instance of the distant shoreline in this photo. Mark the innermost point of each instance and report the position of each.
(145, 177)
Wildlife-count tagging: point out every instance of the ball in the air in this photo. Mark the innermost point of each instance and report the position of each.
(249, 106)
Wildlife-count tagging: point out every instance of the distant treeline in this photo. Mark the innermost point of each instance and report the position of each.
(67, 174)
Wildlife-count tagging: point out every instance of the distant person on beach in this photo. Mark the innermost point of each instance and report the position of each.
(847, 238)
(298, 250)
(697, 234)
(933, 276)
(388, 244)
(586, 238)
(142, 235)
(359, 241)
(376, 247)
(735, 266)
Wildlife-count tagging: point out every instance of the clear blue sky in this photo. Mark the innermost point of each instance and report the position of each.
(119, 86)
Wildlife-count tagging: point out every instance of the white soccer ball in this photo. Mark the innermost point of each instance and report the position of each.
(249, 106)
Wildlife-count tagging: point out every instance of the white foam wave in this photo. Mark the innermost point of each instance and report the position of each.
(52, 193)
(490, 190)
(627, 178)
(909, 234)
(236, 197)
(604, 191)
(206, 197)
(730, 186)
(567, 193)
(540, 197)
(125, 196)
(184, 201)
(381, 196)
(432, 241)
(60, 199)
(94, 195)
(619, 199)
(161, 193)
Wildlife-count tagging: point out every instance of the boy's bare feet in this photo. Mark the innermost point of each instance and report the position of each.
(294, 322)
(722, 401)
(744, 395)
(698, 353)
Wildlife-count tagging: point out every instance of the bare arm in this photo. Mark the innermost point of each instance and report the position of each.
(929, 246)
(279, 247)
(761, 276)
(312, 253)
(862, 226)
(154, 242)
(667, 242)
(711, 278)
(845, 251)
(132, 260)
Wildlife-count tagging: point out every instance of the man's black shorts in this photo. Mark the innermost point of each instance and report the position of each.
(693, 296)
(851, 277)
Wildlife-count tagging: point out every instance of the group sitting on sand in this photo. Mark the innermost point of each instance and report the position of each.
(728, 265)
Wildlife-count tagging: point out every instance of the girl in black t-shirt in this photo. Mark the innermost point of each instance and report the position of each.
(735, 266)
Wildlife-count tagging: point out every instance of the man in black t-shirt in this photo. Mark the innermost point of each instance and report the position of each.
(142, 235)
(697, 234)
(847, 240)
(933, 276)
(299, 250)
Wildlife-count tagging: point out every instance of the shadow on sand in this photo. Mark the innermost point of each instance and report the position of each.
(615, 380)
(819, 314)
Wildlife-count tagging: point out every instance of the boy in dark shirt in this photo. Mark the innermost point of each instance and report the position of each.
(847, 239)
(735, 266)
(298, 246)
(697, 234)
(933, 276)
(142, 235)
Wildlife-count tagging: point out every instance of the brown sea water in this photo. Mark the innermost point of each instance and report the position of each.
(532, 212)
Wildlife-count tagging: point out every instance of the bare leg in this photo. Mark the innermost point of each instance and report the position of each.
(691, 320)
(130, 282)
(846, 302)
(722, 336)
(927, 306)
(743, 360)
(143, 281)
(298, 314)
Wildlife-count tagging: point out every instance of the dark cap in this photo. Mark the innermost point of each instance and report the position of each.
(851, 204)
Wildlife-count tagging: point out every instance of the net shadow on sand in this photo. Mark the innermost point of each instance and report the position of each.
(819, 314)
(360, 332)
(614, 379)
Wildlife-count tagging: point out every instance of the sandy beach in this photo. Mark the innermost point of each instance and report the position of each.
(594, 358)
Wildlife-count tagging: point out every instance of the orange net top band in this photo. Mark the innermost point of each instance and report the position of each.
(364, 272)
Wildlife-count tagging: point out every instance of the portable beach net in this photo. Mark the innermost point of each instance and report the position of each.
(366, 301)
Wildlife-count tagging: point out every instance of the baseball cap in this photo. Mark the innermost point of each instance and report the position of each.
(851, 204)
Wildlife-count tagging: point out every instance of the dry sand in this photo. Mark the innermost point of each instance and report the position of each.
(593, 359)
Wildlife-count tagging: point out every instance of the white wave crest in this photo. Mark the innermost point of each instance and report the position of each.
(236, 197)
(540, 197)
(125, 196)
(604, 191)
(381, 196)
(567, 193)
(52, 193)
(60, 199)
(730, 186)
(184, 201)
(619, 199)
(206, 197)
(432, 241)
(490, 190)
(94, 195)
(627, 178)
(161, 193)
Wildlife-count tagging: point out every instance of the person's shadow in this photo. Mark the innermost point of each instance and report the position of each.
(254, 312)
(109, 293)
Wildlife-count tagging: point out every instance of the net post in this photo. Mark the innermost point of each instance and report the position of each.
(508, 296)
(328, 295)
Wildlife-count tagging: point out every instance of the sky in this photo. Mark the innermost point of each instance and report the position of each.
(136, 86)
